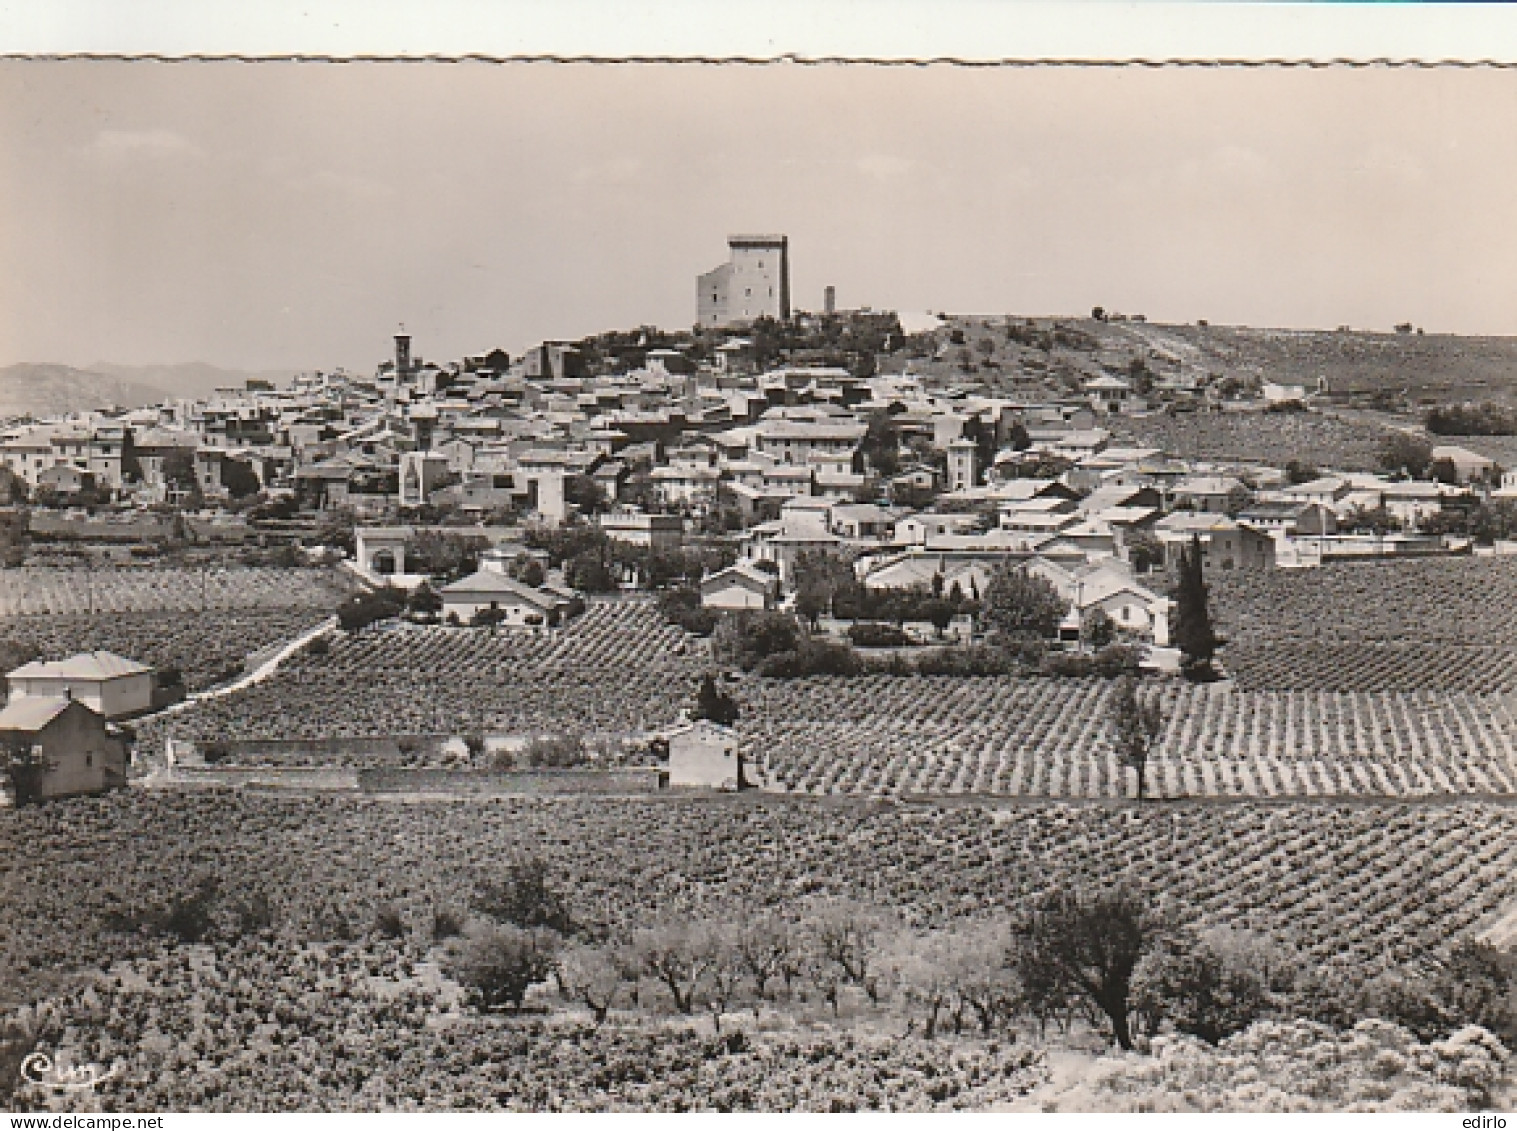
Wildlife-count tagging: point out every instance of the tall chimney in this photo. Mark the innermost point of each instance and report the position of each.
(830, 300)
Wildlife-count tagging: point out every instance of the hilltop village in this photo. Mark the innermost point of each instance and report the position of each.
(746, 716)
(922, 451)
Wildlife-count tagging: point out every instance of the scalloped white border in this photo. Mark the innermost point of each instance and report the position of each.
(719, 30)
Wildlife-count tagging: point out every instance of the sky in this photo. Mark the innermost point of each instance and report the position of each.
(294, 215)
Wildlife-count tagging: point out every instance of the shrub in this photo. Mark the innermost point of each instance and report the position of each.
(388, 923)
(972, 660)
(874, 635)
(744, 639)
(555, 750)
(498, 964)
(811, 657)
(363, 609)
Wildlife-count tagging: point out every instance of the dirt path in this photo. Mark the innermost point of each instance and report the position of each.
(1067, 1070)
(262, 672)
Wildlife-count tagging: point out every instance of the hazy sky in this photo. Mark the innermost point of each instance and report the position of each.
(291, 215)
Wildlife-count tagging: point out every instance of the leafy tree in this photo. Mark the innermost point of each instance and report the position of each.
(1471, 420)
(424, 599)
(585, 493)
(1405, 454)
(714, 704)
(12, 487)
(1208, 986)
(524, 897)
(498, 963)
(1144, 550)
(939, 613)
(1018, 603)
(852, 937)
(1137, 721)
(240, 480)
(446, 555)
(674, 953)
(767, 946)
(1494, 521)
(1193, 633)
(1073, 944)
(1444, 470)
(588, 572)
(925, 968)
(1097, 629)
(21, 770)
(178, 471)
(746, 638)
(882, 444)
(363, 609)
(811, 601)
(1471, 984)
(1369, 520)
(1238, 500)
(726, 973)
(1297, 473)
(818, 576)
(488, 617)
(529, 571)
(593, 976)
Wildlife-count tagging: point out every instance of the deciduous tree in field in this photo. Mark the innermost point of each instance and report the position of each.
(498, 963)
(594, 976)
(1137, 721)
(1078, 943)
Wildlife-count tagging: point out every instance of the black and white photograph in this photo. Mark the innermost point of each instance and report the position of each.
(765, 585)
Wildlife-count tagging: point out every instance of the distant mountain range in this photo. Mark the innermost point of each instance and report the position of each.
(189, 379)
(47, 389)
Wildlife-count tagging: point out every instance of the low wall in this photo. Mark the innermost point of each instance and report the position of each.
(397, 750)
(46, 525)
(487, 782)
(283, 777)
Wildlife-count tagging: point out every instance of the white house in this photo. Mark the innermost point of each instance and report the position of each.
(78, 751)
(108, 684)
(740, 586)
(704, 755)
(491, 589)
(1467, 464)
(1274, 392)
(1110, 394)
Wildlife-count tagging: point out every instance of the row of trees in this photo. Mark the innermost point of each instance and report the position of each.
(1112, 955)
(1470, 419)
(595, 563)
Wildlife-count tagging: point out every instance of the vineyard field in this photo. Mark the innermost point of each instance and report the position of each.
(885, 735)
(203, 646)
(1320, 665)
(1445, 600)
(619, 670)
(1322, 441)
(1354, 886)
(29, 591)
(616, 669)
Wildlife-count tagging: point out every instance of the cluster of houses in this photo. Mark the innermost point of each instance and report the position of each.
(61, 717)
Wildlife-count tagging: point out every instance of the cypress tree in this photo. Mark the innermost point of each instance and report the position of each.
(714, 704)
(1194, 635)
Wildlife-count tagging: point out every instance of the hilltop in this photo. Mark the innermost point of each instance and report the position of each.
(194, 379)
(1389, 370)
